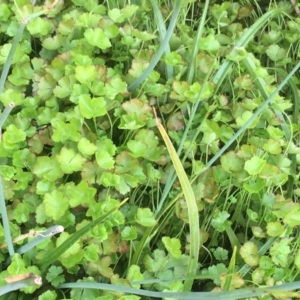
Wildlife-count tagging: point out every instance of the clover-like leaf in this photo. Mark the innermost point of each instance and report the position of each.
(56, 204)
(275, 228)
(47, 168)
(91, 107)
(280, 252)
(85, 74)
(231, 162)
(173, 246)
(129, 233)
(220, 222)
(70, 161)
(254, 165)
(249, 253)
(145, 217)
(209, 43)
(86, 147)
(97, 37)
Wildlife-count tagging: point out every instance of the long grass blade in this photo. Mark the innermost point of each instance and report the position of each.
(226, 295)
(192, 64)
(254, 116)
(162, 33)
(15, 283)
(5, 221)
(244, 40)
(161, 49)
(45, 262)
(191, 205)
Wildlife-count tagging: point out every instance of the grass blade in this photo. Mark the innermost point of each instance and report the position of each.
(15, 284)
(5, 221)
(44, 263)
(191, 204)
(161, 50)
(226, 295)
(254, 116)
(162, 33)
(244, 40)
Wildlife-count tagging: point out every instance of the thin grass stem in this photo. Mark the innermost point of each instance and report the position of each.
(161, 49)
(6, 113)
(5, 221)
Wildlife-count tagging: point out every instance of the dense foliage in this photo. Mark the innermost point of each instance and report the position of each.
(82, 137)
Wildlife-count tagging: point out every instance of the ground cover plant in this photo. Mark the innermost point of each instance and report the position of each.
(149, 149)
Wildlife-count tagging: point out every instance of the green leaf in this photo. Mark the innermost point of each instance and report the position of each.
(7, 172)
(97, 37)
(241, 120)
(215, 272)
(56, 204)
(91, 252)
(144, 36)
(129, 233)
(47, 168)
(154, 264)
(64, 87)
(134, 274)
(48, 295)
(276, 53)
(91, 107)
(39, 27)
(209, 43)
(249, 253)
(115, 86)
(69, 161)
(53, 43)
(78, 195)
(127, 181)
(44, 186)
(5, 12)
(272, 146)
(280, 252)
(110, 179)
(116, 15)
(253, 215)
(85, 74)
(105, 160)
(266, 263)
(88, 20)
(129, 10)
(13, 135)
(9, 94)
(86, 147)
(137, 148)
(275, 228)
(173, 246)
(145, 217)
(220, 254)
(275, 133)
(179, 90)
(292, 217)
(237, 54)
(63, 131)
(231, 162)
(21, 213)
(77, 91)
(254, 165)
(220, 222)
(55, 275)
(254, 185)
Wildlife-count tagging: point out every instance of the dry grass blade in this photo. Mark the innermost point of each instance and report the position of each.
(191, 204)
